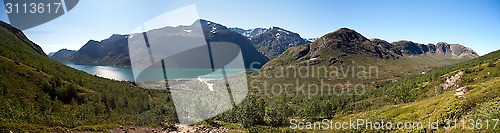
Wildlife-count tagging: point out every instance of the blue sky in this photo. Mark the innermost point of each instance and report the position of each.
(472, 23)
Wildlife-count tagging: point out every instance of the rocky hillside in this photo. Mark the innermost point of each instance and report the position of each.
(111, 51)
(272, 41)
(346, 47)
(215, 32)
(332, 47)
(406, 48)
(275, 41)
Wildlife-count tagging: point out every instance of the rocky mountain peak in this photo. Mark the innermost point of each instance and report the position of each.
(250, 32)
(347, 43)
(460, 50)
(346, 34)
(405, 47)
(115, 51)
(211, 26)
(275, 40)
(443, 47)
(381, 43)
(409, 47)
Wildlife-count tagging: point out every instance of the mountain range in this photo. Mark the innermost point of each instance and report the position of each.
(262, 44)
(346, 47)
(343, 47)
(273, 41)
(114, 50)
(268, 42)
(345, 43)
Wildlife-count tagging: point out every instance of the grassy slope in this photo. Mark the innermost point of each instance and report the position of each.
(415, 98)
(40, 94)
(482, 102)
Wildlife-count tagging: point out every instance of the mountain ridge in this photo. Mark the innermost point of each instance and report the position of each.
(272, 41)
(347, 41)
(275, 40)
(114, 50)
(250, 32)
(62, 54)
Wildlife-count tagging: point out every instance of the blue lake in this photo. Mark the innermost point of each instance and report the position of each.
(111, 72)
(122, 73)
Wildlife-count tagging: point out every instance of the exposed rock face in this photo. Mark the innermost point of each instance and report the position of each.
(460, 51)
(215, 32)
(460, 92)
(442, 49)
(275, 41)
(346, 41)
(451, 82)
(351, 42)
(409, 48)
(249, 33)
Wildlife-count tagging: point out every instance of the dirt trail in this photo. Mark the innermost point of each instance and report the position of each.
(179, 129)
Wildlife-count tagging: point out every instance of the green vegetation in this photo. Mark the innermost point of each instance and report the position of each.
(479, 104)
(414, 98)
(40, 94)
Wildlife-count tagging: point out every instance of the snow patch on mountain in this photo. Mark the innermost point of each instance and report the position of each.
(250, 32)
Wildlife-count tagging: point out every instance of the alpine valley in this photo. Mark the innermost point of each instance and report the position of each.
(340, 76)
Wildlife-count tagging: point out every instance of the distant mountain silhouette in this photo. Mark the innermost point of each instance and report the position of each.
(249, 33)
(62, 54)
(114, 50)
(111, 51)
